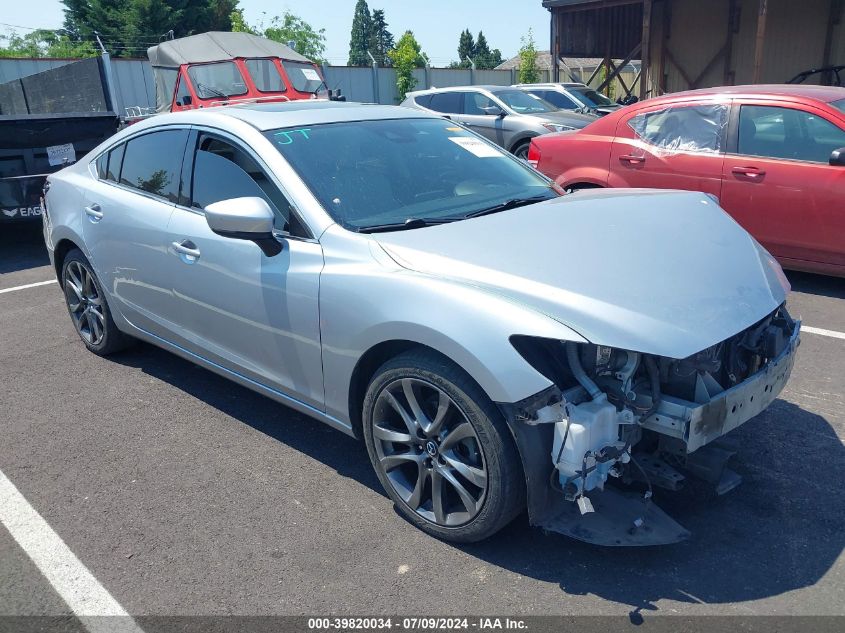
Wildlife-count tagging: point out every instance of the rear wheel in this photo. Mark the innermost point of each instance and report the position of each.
(441, 449)
(88, 308)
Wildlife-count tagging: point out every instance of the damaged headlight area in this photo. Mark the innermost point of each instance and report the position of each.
(628, 416)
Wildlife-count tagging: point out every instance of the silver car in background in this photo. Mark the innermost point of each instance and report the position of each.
(507, 116)
(495, 344)
(576, 97)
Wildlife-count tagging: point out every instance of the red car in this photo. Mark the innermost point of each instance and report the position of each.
(774, 156)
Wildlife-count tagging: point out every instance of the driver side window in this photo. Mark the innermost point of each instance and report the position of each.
(223, 171)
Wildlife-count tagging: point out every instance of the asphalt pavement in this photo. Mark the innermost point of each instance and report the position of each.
(185, 494)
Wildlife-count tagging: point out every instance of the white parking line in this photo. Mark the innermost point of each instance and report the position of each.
(88, 599)
(24, 287)
(821, 332)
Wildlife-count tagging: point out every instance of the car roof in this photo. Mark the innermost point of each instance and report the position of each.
(269, 116)
(552, 84)
(825, 94)
(488, 87)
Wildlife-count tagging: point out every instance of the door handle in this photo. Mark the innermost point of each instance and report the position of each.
(752, 173)
(632, 160)
(94, 213)
(188, 249)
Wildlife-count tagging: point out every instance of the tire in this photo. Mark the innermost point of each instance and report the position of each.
(520, 150)
(460, 454)
(87, 306)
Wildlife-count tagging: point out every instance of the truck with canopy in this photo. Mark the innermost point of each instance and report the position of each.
(219, 68)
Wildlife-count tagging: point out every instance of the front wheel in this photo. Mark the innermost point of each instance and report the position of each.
(441, 448)
(521, 150)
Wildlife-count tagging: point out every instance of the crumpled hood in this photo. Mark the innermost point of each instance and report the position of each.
(659, 272)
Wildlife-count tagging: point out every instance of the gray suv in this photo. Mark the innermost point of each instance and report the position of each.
(507, 116)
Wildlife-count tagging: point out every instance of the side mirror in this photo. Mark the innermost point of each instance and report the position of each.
(837, 157)
(493, 110)
(244, 219)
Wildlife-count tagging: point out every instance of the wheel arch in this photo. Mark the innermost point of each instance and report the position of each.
(60, 251)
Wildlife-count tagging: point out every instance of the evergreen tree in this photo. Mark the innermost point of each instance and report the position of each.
(381, 40)
(128, 27)
(359, 41)
(481, 52)
(466, 49)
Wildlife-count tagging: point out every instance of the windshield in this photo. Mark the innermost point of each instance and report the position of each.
(265, 75)
(839, 105)
(376, 173)
(218, 80)
(592, 98)
(303, 77)
(524, 102)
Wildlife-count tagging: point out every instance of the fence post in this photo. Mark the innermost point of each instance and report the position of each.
(375, 78)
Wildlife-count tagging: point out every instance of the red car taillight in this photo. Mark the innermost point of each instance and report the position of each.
(533, 155)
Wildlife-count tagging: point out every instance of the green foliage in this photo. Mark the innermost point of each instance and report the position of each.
(405, 57)
(381, 40)
(466, 50)
(129, 27)
(239, 24)
(292, 28)
(359, 40)
(45, 43)
(476, 49)
(528, 71)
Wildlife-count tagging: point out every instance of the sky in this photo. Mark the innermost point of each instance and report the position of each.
(437, 24)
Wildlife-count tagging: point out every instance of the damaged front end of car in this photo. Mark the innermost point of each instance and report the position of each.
(633, 418)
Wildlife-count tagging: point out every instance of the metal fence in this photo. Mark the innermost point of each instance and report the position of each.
(135, 86)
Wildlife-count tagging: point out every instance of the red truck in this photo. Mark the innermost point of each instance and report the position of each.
(774, 157)
(221, 68)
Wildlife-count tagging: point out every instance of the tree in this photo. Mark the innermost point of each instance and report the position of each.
(239, 24)
(45, 43)
(466, 49)
(381, 40)
(292, 28)
(128, 27)
(528, 71)
(405, 57)
(359, 41)
(481, 51)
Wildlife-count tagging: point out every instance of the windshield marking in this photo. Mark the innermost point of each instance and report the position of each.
(287, 135)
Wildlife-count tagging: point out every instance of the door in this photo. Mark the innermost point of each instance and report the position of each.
(491, 126)
(779, 185)
(670, 147)
(253, 314)
(125, 226)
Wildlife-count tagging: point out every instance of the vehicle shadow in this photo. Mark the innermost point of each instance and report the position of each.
(331, 447)
(22, 247)
(781, 530)
(823, 285)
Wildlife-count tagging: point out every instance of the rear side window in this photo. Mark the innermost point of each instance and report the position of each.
(556, 99)
(223, 171)
(102, 166)
(115, 161)
(423, 100)
(683, 128)
(265, 75)
(775, 132)
(153, 162)
(446, 102)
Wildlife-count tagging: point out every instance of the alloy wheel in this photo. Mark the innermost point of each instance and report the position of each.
(84, 303)
(429, 452)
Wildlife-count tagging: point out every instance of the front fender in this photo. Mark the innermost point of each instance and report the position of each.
(377, 303)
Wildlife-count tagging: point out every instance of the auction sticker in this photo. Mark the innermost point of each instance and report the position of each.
(476, 146)
(311, 74)
(61, 154)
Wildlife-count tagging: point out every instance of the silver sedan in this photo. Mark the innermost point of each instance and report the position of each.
(496, 345)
